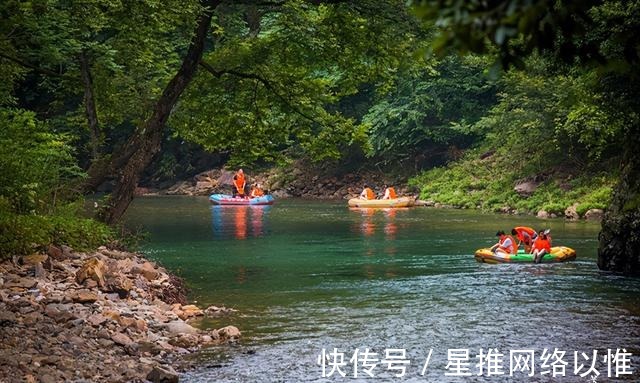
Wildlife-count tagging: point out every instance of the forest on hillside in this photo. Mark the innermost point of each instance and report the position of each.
(470, 99)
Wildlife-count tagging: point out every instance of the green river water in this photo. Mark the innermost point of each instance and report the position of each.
(312, 275)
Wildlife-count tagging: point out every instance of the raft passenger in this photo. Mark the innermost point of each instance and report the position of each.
(505, 244)
(541, 246)
(239, 184)
(256, 190)
(367, 193)
(525, 236)
(389, 193)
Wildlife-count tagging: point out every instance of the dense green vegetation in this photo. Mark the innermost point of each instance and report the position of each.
(549, 128)
(108, 90)
(38, 176)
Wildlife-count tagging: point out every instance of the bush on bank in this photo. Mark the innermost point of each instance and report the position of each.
(487, 184)
(39, 204)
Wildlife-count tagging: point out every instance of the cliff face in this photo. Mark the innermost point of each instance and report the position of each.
(619, 248)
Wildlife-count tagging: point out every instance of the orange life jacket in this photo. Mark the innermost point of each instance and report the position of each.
(513, 249)
(238, 182)
(256, 192)
(524, 229)
(541, 243)
(392, 193)
(369, 193)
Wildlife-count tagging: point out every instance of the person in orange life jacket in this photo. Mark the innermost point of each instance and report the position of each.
(239, 184)
(256, 190)
(525, 235)
(367, 193)
(541, 246)
(505, 244)
(389, 193)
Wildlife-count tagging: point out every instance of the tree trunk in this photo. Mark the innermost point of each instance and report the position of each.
(619, 248)
(90, 105)
(147, 141)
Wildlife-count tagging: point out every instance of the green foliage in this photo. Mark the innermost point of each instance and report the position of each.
(430, 110)
(274, 84)
(23, 234)
(589, 31)
(35, 164)
(133, 49)
(554, 129)
(489, 183)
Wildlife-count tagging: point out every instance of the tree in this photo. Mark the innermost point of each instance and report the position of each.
(429, 110)
(595, 36)
(112, 75)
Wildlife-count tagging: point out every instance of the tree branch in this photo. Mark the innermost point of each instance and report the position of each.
(31, 66)
(267, 84)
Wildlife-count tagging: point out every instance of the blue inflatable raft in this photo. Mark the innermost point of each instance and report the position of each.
(226, 199)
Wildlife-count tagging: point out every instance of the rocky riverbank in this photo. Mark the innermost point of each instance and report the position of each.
(108, 316)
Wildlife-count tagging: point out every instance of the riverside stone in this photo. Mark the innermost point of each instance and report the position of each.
(96, 319)
(94, 269)
(178, 327)
(119, 284)
(83, 296)
(163, 374)
(20, 283)
(594, 214)
(121, 339)
(229, 333)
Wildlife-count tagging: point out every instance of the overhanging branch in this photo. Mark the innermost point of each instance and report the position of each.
(267, 84)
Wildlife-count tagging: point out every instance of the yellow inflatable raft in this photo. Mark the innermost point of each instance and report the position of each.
(382, 203)
(558, 254)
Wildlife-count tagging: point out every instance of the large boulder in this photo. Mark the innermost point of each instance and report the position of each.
(526, 188)
(164, 374)
(92, 269)
(118, 283)
(176, 328)
(571, 213)
(594, 214)
(147, 270)
(542, 214)
(229, 333)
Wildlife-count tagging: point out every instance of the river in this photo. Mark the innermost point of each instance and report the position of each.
(398, 288)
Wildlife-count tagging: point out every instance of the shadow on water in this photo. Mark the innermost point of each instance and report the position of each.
(308, 275)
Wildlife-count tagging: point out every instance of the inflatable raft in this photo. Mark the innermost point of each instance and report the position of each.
(558, 254)
(382, 203)
(225, 199)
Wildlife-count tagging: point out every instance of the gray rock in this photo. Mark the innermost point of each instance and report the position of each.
(571, 212)
(176, 328)
(594, 214)
(526, 188)
(39, 271)
(229, 333)
(543, 214)
(164, 374)
(121, 339)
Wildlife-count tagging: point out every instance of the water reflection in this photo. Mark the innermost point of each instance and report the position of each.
(238, 222)
(367, 226)
(376, 241)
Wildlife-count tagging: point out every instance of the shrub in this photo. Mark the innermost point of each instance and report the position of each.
(24, 234)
